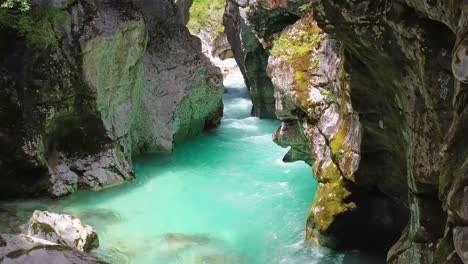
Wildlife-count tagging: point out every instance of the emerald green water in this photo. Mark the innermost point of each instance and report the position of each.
(225, 197)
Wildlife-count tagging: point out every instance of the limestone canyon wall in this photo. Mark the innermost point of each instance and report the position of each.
(251, 57)
(87, 84)
(373, 94)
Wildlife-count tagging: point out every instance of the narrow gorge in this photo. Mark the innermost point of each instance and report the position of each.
(234, 131)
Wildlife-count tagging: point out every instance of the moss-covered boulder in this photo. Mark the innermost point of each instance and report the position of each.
(63, 229)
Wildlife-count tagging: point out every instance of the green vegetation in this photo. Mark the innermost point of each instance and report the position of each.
(304, 7)
(42, 227)
(328, 94)
(23, 5)
(294, 45)
(329, 202)
(41, 26)
(206, 14)
(21, 252)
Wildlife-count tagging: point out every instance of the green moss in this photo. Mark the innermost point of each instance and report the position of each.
(299, 77)
(329, 203)
(39, 227)
(328, 94)
(201, 99)
(330, 173)
(41, 25)
(206, 13)
(337, 142)
(92, 241)
(314, 63)
(113, 66)
(2, 242)
(21, 252)
(296, 43)
(295, 48)
(29, 239)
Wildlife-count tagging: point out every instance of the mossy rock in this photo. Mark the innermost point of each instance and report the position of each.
(42, 228)
(20, 252)
(329, 202)
(207, 13)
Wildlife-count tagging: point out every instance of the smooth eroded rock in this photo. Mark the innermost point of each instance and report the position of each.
(16, 249)
(63, 229)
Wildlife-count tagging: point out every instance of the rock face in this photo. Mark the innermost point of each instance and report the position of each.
(27, 249)
(93, 84)
(251, 57)
(206, 22)
(412, 118)
(63, 229)
(373, 95)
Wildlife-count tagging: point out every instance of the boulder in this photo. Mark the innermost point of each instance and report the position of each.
(16, 249)
(63, 229)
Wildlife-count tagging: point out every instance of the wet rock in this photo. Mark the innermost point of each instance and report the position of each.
(63, 229)
(196, 249)
(27, 249)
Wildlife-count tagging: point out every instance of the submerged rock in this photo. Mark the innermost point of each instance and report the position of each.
(63, 229)
(174, 243)
(27, 249)
(192, 249)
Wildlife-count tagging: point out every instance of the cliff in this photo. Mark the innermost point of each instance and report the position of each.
(373, 94)
(88, 84)
(251, 57)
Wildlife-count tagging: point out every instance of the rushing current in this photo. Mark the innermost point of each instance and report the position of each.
(225, 197)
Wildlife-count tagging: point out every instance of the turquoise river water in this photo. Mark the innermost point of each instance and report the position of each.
(225, 197)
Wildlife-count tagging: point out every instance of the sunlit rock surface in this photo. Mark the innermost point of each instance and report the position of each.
(63, 229)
